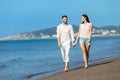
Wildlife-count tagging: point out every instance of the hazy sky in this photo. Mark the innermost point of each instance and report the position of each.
(18, 16)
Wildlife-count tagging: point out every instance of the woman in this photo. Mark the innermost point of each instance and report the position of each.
(85, 34)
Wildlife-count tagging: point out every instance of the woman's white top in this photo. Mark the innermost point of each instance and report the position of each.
(85, 30)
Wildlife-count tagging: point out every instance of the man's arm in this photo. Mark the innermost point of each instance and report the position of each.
(58, 37)
(72, 36)
(59, 42)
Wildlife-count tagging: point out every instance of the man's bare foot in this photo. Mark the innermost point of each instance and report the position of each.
(66, 69)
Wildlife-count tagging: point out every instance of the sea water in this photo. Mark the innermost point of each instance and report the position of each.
(33, 59)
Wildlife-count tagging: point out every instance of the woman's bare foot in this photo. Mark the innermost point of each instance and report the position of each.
(86, 66)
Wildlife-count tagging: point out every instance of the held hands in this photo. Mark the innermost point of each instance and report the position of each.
(74, 44)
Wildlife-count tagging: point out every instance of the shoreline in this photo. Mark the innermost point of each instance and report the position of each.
(100, 70)
(51, 38)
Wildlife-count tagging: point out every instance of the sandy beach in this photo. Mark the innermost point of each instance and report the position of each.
(104, 70)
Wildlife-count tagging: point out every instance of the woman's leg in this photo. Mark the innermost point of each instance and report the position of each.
(87, 49)
(83, 47)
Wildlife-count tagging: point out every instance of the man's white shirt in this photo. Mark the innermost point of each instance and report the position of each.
(65, 32)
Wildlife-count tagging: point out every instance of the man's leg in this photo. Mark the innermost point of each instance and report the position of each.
(67, 52)
(63, 53)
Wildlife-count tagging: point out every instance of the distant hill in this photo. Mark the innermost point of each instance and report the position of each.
(51, 33)
(117, 28)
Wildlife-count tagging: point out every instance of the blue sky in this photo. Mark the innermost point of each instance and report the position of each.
(19, 16)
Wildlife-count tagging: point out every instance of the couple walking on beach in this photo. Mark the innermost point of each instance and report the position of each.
(65, 35)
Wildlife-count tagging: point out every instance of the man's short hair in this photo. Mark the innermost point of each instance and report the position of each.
(64, 16)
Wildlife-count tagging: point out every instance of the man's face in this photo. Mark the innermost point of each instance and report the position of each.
(64, 20)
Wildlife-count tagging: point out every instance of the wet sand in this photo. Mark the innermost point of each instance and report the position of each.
(104, 70)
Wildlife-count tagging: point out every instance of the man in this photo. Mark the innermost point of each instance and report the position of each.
(64, 35)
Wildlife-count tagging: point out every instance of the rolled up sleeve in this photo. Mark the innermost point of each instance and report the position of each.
(72, 33)
(58, 32)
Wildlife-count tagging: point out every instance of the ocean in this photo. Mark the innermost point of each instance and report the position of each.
(33, 59)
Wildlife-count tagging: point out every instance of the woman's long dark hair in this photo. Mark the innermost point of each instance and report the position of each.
(87, 19)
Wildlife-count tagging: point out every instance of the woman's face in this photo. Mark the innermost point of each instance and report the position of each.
(83, 19)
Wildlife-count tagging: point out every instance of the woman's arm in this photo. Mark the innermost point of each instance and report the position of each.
(78, 35)
(91, 28)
